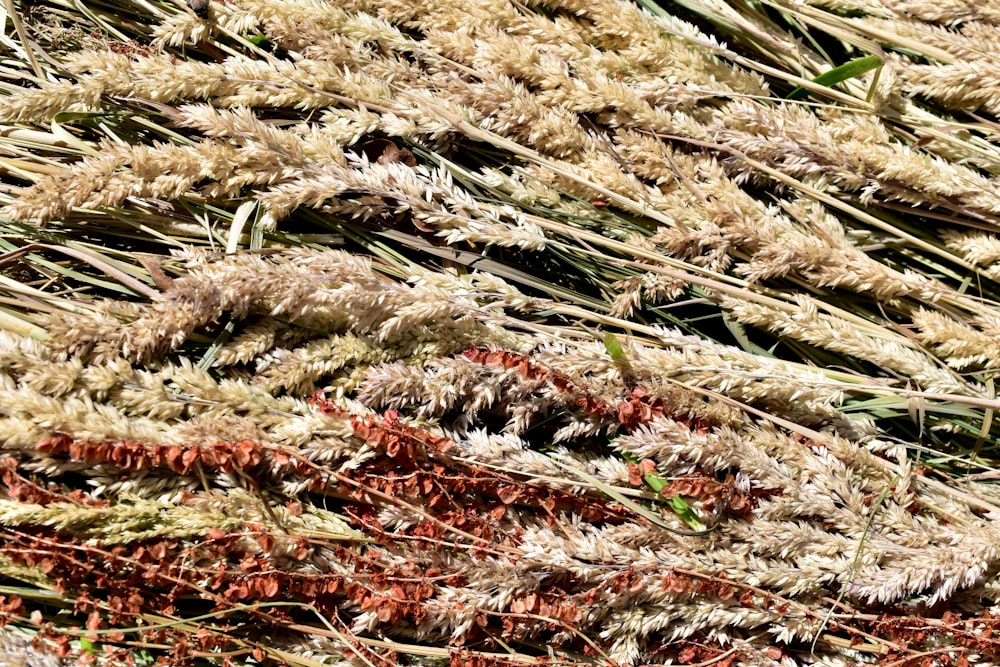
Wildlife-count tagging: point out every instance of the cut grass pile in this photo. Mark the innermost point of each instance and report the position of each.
(500, 333)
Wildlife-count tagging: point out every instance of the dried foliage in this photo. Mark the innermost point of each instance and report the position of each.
(499, 333)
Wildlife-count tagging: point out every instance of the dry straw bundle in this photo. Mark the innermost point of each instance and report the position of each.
(499, 333)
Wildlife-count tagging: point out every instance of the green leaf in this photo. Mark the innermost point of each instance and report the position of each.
(685, 512)
(848, 70)
(72, 116)
(614, 347)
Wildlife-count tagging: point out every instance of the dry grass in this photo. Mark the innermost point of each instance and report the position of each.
(500, 333)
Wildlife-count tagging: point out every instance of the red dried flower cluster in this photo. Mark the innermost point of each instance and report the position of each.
(529, 370)
(414, 467)
(31, 490)
(405, 444)
(636, 409)
(131, 455)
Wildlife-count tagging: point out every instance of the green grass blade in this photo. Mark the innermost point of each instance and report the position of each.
(839, 74)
